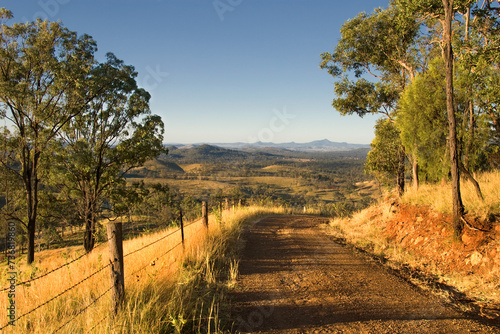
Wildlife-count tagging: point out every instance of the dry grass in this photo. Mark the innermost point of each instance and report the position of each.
(363, 229)
(439, 196)
(169, 288)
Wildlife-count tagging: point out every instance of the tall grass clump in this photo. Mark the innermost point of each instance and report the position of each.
(169, 287)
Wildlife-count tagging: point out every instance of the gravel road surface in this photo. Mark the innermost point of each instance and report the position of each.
(295, 279)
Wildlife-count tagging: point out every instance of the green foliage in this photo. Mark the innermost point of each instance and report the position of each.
(382, 160)
(191, 207)
(422, 121)
(43, 67)
(398, 47)
(363, 97)
(111, 135)
(50, 235)
(385, 46)
(217, 213)
(377, 43)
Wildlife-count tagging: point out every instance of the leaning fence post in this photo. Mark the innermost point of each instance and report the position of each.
(204, 213)
(115, 241)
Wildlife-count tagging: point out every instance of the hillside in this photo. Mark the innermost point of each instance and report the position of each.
(156, 168)
(205, 152)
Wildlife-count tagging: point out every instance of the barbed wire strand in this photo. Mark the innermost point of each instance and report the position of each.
(149, 263)
(154, 242)
(57, 296)
(81, 256)
(192, 223)
(162, 255)
(97, 324)
(84, 309)
(55, 269)
(131, 274)
(158, 240)
(46, 274)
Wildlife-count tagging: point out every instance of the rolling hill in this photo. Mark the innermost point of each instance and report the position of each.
(315, 146)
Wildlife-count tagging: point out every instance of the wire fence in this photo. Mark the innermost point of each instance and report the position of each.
(97, 323)
(56, 296)
(42, 244)
(152, 243)
(83, 309)
(93, 274)
(31, 280)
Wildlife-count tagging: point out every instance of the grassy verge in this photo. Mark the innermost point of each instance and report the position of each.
(170, 288)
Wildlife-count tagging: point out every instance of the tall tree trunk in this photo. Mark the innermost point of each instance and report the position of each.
(400, 178)
(31, 217)
(458, 208)
(414, 165)
(30, 180)
(471, 121)
(88, 239)
(90, 225)
(470, 137)
(31, 241)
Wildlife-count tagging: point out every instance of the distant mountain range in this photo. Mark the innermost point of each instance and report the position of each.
(315, 146)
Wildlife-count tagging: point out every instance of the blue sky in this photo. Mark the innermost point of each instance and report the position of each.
(224, 70)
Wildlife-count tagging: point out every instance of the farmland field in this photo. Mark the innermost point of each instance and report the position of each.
(284, 177)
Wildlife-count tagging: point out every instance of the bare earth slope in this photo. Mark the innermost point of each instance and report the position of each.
(295, 279)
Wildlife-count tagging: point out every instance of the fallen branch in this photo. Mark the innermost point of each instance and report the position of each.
(472, 227)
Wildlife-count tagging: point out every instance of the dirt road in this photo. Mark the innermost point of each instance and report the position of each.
(295, 279)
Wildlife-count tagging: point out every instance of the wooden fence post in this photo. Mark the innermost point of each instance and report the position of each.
(204, 213)
(115, 241)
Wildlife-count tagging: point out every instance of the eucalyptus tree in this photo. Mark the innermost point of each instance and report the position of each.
(382, 46)
(446, 12)
(42, 67)
(112, 134)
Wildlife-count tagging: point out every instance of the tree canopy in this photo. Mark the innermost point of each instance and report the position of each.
(73, 125)
(431, 67)
(42, 67)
